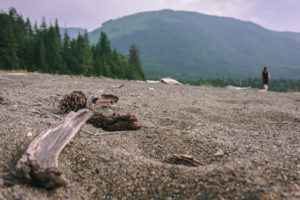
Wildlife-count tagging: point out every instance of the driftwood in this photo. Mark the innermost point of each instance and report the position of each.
(101, 100)
(39, 164)
(114, 122)
(186, 160)
(110, 122)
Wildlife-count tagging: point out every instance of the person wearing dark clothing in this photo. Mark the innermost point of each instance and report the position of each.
(266, 77)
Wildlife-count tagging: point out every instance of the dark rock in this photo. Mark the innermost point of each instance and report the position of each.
(149, 135)
(43, 116)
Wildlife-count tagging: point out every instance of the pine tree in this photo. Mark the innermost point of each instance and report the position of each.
(101, 56)
(74, 61)
(41, 49)
(8, 48)
(136, 71)
(66, 54)
(89, 70)
(43, 64)
(53, 47)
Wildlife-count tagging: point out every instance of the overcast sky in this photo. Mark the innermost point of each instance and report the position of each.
(281, 15)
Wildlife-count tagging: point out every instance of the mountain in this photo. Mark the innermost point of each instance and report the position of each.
(72, 32)
(189, 45)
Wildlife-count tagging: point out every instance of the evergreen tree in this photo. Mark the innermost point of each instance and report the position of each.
(66, 57)
(42, 49)
(53, 48)
(121, 66)
(136, 71)
(85, 55)
(74, 61)
(101, 56)
(43, 64)
(8, 48)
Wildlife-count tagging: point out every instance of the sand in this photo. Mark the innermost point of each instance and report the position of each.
(248, 141)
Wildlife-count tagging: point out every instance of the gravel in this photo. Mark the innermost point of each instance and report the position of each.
(248, 141)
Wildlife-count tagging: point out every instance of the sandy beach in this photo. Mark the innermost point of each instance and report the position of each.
(247, 141)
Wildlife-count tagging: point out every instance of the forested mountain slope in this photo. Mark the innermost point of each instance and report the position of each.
(188, 45)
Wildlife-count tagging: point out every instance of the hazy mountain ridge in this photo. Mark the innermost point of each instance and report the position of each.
(190, 45)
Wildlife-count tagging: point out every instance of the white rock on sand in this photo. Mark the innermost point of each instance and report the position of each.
(170, 81)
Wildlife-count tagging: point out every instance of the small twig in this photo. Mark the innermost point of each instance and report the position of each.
(186, 160)
(110, 133)
(86, 131)
(48, 113)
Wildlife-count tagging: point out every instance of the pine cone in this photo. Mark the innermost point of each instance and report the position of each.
(73, 102)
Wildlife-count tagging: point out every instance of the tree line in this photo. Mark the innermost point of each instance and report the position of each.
(43, 49)
(278, 85)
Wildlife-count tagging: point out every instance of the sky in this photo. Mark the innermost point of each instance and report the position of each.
(279, 15)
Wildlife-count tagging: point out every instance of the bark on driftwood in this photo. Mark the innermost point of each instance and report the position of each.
(186, 160)
(101, 100)
(114, 122)
(39, 164)
(110, 122)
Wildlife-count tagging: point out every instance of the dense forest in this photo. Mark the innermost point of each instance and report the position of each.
(278, 85)
(44, 49)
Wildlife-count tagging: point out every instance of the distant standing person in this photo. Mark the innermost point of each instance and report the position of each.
(266, 77)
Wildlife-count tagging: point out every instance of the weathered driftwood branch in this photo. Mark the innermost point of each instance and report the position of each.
(39, 164)
(186, 160)
(114, 122)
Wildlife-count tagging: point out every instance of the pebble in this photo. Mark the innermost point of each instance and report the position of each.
(106, 159)
(43, 116)
(149, 135)
(114, 171)
(219, 153)
(37, 104)
(29, 134)
(95, 139)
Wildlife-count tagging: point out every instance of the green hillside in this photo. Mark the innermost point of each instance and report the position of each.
(188, 45)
